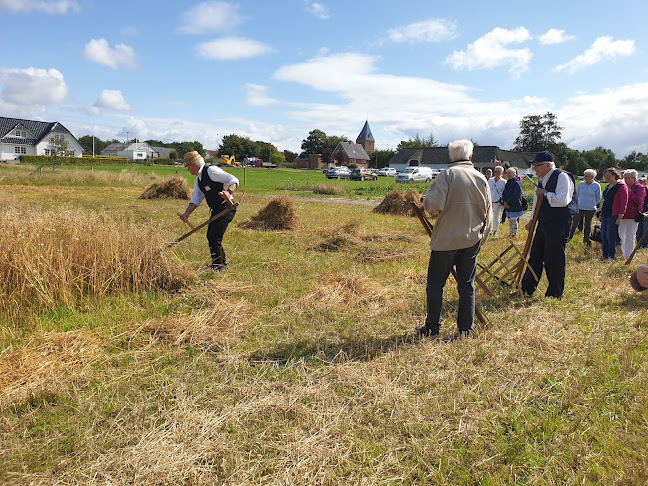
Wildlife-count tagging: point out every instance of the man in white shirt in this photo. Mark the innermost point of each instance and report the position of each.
(554, 223)
(496, 185)
(215, 185)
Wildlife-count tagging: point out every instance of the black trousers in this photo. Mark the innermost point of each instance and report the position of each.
(587, 226)
(439, 268)
(548, 253)
(215, 232)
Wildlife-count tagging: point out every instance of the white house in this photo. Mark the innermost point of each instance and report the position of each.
(28, 137)
(131, 150)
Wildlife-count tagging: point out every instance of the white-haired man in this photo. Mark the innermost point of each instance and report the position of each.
(461, 199)
(588, 195)
(215, 185)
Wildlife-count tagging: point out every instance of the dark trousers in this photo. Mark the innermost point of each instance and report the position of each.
(215, 232)
(548, 254)
(609, 235)
(641, 229)
(441, 263)
(587, 226)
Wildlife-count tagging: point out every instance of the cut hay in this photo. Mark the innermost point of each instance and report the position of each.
(330, 189)
(398, 202)
(44, 370)
(174, 187)
(279, 214)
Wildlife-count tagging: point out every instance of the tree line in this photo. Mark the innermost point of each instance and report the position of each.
(537, 133)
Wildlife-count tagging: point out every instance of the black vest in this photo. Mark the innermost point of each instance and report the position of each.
(549, 213)
(210, 189)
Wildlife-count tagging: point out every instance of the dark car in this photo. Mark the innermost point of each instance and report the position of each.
(363, 174)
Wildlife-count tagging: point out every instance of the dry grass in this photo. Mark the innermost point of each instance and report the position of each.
(174, 187)
(26, 174)
(58, 256)
(398, 202)
(46, 366)
(330, 189)
(302, 367)
(279, 214)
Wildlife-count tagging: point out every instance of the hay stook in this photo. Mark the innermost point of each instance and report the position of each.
(174, 187)
(279, 214)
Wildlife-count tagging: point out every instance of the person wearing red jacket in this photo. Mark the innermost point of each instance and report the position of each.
(615, 202)
(628, 225)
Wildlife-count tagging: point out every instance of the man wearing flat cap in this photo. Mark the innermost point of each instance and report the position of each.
(555, 193)
(216, 186)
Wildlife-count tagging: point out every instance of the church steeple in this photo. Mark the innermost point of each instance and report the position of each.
(366, 139)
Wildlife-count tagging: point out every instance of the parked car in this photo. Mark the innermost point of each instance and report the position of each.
(416, 174)
(339, 173)
(387, 172)
(360, 174)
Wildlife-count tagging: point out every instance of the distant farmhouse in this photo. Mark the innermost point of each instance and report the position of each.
(136, 151)
(28, 137)
(345, 153)
(483, 157)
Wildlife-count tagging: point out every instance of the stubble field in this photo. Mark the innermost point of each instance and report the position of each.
(122, 362)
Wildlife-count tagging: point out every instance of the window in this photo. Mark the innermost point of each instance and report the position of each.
(59, 137)
(46, 151)
(21, 133)
(20, 150)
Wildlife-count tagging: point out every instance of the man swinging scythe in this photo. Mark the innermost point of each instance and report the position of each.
(216, 186)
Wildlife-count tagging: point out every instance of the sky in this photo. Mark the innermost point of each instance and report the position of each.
(273, 70)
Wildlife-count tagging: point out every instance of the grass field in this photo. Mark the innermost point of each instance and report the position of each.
(125, 363)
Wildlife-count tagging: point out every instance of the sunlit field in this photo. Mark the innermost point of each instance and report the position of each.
(123, 361)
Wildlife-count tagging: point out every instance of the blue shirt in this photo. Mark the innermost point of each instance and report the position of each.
(588, 195)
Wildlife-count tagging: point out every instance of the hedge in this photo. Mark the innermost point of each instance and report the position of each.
(98, 160)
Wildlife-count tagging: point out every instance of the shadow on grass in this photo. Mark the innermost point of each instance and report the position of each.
(337, 350)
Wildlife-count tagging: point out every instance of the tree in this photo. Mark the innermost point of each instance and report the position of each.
(315, 142)
(58, 149)
(418, 142)
(86, 144)
(191, 146)
(173, 155)
(290, 156)
(538, 132)
(380, 158)
(635, 160)
(600, 158)
(333, 140)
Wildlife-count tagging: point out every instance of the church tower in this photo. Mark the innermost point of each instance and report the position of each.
(366, 139)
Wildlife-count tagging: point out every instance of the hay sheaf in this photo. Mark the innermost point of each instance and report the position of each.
(279, 214)
(174, 187)
(398, 202)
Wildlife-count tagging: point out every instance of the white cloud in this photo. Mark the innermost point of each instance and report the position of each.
(405, 105)
(318, 10)
(603, 49)
(26, 6)
(257, 95)
(210, 17)
(32, 86)
(231, 48)
(615, 118)
(432, 30)
(98, 50)
(490, 51)
(555, 36)
(113, 100)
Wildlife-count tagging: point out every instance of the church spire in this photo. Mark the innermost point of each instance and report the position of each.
(366, 139)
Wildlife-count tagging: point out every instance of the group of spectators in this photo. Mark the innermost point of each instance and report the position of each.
(468, 204)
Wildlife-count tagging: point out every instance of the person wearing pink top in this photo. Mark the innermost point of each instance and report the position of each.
(615, 202)
(628, 225)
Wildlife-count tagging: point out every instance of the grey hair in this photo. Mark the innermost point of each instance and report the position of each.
(511, 170)
(589, 172)
(630, 173)
(460, 150)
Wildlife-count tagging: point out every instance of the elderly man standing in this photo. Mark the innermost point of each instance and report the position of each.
(554, 223)
(461, 198)
(215, 185)
(588, 195)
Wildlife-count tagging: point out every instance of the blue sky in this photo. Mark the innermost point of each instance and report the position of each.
(274, 70)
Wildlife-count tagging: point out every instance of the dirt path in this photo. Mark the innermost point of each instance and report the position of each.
(338, 200)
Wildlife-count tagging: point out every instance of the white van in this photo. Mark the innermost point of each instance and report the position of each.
(417, 174)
